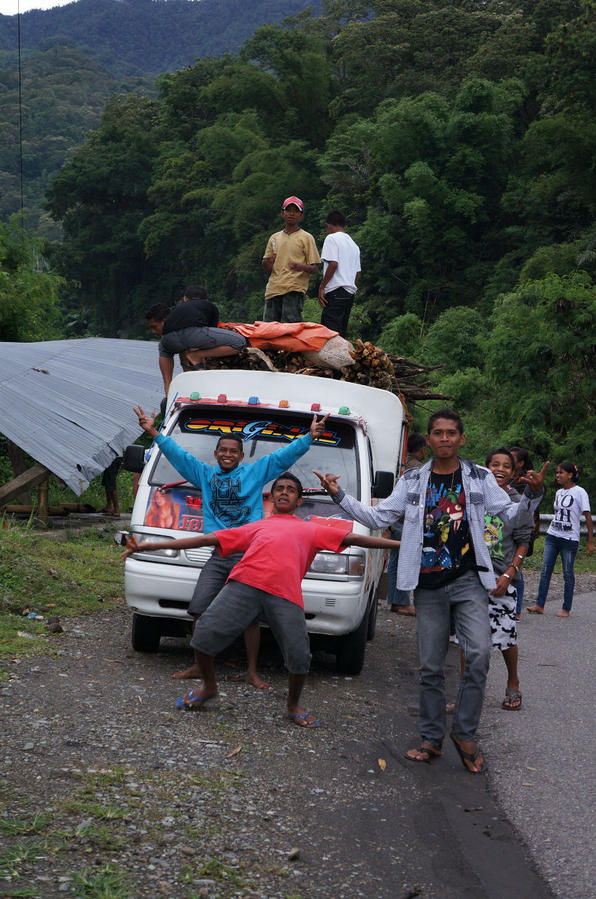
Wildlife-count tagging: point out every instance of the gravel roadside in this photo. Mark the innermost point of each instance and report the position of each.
(106, 782)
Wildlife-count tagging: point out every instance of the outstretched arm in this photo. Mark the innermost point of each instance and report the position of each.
(184, 543)
(370, 542)
(383, 515)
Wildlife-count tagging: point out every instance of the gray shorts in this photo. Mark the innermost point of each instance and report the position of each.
(211, 580)
(199, 339)
(237, 606)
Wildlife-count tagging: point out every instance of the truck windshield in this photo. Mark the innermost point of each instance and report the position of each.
(264, 431)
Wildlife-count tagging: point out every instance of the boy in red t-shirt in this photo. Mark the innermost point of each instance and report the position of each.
(277, 554)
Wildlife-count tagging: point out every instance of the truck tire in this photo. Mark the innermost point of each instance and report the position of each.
(372, 615)
(349, 656)
(146, 633)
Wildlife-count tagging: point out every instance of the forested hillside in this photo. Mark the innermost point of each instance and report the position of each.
(459, 139)
(74, 57)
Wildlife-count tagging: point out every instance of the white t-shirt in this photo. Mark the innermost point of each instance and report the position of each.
(339, 247)
(570, 505)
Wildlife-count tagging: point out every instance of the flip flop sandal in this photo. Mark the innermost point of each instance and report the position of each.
(510, 697)
(193, 702)
(298, 718)
(468, 757)
(431, 751)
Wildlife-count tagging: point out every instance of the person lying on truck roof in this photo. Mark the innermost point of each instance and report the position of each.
(232, 496)
(190, 328)
(445, 560)
(275, 554)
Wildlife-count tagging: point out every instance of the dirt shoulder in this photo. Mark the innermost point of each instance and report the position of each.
(104, 780)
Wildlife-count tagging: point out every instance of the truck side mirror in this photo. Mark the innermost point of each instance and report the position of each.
(383, 484)
(134, 457)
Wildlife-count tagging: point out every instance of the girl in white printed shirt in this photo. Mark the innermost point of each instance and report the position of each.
(562, 537)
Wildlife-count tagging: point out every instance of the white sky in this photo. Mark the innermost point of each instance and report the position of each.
(11, 7)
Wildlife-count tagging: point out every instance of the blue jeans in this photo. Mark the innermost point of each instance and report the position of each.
(567, 549)
(395, 597)
(467, 600)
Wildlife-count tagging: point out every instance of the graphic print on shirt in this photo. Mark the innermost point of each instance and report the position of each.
(227, 504)
(446, 531)
(493, 535)
(562, 520)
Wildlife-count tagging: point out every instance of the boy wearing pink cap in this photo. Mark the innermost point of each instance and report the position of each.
(290, 259)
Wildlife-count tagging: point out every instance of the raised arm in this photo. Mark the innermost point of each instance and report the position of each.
(497, 502)
(271, 466)
(146, 420)
(184, 543)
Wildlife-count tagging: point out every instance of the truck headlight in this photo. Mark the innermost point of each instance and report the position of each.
(338, 563)
(151, 538)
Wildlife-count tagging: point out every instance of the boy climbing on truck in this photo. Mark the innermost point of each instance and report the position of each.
(277, 552)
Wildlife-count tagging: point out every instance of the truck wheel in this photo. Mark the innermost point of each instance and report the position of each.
(146, 633)
(349, 657)
(372, 616)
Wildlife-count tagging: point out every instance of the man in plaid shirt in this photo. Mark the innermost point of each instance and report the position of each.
(444, 558)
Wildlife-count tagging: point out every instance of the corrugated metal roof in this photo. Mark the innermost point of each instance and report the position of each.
(68, 403)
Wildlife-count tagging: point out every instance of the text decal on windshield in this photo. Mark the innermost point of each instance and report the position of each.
(251, 429)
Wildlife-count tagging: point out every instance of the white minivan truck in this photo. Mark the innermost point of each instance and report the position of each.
(363, 443)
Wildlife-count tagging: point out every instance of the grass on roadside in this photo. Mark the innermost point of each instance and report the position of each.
(73, 576)
(82, 826)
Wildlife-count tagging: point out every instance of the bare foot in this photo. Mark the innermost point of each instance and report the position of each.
(563, 614)
(406, 610)
(255, 680)
(302, 718)
(535, 610)
(188, 673)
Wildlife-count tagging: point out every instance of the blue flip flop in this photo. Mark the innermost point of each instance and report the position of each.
(193, 702)
(298, 718)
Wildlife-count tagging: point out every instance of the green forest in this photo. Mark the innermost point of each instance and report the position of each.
(459, 139)
(73, 58)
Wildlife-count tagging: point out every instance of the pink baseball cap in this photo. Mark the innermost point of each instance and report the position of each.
(296, 201)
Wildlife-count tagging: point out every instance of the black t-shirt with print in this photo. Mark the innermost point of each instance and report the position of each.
(447, 550)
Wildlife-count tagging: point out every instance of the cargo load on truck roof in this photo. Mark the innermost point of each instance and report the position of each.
(308, 349)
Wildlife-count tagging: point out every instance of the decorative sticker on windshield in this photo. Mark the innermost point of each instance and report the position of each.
(249, 430)
(174, 507)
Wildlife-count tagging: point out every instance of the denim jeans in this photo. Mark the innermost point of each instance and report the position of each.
(567, 549)
(395, 597)
(467, 601)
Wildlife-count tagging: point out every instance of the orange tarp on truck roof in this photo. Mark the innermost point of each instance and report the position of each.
(295, 337)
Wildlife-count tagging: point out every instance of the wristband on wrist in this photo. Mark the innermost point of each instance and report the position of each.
(506, 575)
(515, 567)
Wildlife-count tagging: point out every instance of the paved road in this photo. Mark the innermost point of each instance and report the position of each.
(542, 759)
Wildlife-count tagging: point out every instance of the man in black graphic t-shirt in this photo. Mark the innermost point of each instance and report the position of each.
(443, 557)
